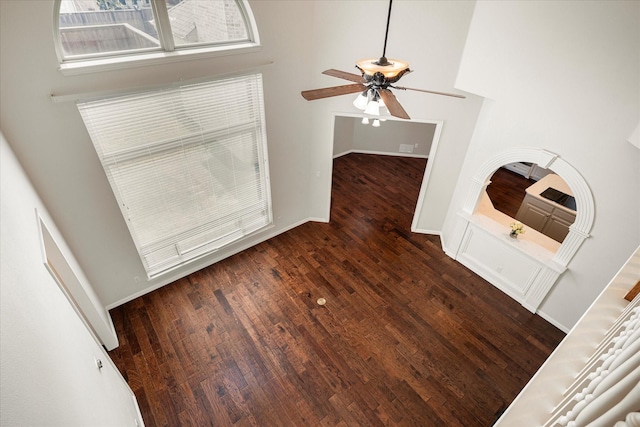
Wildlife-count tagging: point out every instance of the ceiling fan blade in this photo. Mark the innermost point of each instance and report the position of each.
(344, 75)
(327, 92)
(392, 104)
(430, 91)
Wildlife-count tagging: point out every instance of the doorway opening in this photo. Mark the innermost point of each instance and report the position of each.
(415, 140)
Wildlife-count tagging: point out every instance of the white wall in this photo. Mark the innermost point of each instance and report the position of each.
(393, 133)
(343, 135)
(351, 135)
(562, 76)
(430, 35)
(47, 363)
(556, 81)
(301, 38)
(53, 145)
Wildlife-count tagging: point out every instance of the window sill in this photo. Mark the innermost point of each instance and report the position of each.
(149, 59)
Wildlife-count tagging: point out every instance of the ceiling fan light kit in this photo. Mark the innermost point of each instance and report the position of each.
(373, 108)
(391, 69)
(362, 100)
(376, 78)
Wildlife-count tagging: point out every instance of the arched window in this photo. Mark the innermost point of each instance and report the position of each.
(108, 32)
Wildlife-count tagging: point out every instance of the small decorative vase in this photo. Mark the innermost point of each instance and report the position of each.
(513, 234)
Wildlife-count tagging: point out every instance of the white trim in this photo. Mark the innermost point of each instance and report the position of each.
(427, 172)
(318, 219)
(102, 348)
(123, 60)
(553, 261)
(554, 322)
(154, 58)
(101, 328)
(73, 97)
(252, 29)
(165, 35)
(427, 231)
(328, 180)
(585, 205)
(382, 153)
(139, 421)
(57, 43)
(634, 138)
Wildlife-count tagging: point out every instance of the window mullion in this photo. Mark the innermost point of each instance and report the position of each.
(163, 25)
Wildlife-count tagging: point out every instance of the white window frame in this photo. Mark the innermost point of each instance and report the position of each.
(193, 236)
(167, 52)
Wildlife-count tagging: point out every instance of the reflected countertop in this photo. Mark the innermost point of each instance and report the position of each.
(555, 182)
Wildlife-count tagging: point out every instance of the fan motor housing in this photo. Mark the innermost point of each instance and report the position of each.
(379, 80)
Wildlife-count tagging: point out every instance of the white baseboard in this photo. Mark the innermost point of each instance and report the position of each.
(382, 153)
(317, 219)
(426, 231)
(139, 420)
(553, 321)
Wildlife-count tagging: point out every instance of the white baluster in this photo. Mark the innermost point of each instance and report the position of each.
(617, 358)
(631, 420)
(614, 404)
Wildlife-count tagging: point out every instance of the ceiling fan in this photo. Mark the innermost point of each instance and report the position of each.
(376, 78)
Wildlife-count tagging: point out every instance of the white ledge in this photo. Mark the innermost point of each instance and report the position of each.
(154, 58)
(532, 243)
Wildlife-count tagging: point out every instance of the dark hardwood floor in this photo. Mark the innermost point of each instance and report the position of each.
(506, 191)
(408, 337)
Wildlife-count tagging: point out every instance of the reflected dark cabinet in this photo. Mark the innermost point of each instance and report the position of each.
(544, 217)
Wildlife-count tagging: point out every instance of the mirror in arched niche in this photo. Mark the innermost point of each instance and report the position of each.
(476, 202)
(535, 196)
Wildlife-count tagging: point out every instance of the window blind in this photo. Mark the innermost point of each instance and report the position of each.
(188, 166)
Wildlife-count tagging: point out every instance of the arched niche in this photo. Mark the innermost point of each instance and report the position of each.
(522, 268)
(585, 207)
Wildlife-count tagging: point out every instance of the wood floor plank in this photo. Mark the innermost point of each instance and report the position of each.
(408, 337)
